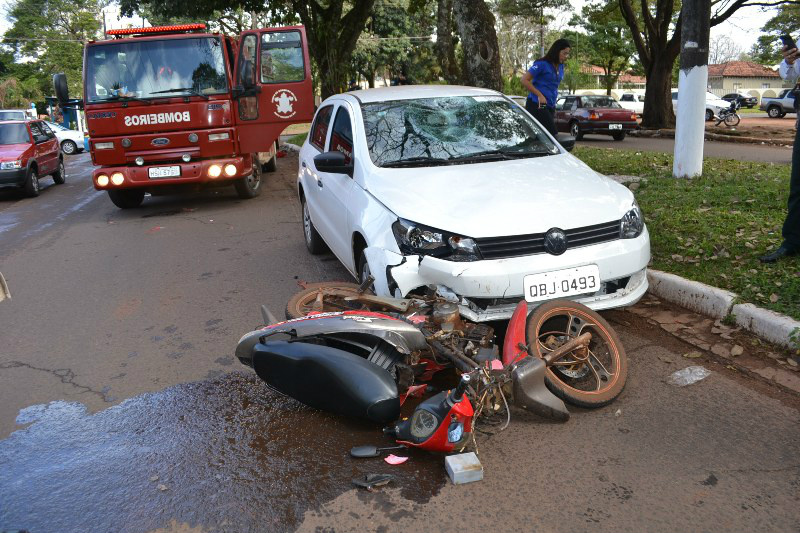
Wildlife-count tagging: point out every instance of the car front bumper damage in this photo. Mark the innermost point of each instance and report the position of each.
(490, 289)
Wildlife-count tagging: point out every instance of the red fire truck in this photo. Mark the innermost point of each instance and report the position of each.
(172, 107)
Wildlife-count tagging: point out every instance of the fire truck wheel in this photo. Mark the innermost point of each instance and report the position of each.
(127, 198)
(250, 186)
(271, 165)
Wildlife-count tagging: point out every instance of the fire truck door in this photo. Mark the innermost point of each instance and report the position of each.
(272, 85)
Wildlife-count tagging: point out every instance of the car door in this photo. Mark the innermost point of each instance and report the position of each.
(310, 179)
(52, 143)
(335, 190)
(561, 120)
(42, 150)
(273, 85)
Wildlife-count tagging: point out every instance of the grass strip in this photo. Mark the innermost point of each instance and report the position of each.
(712, 229)
(298, 139)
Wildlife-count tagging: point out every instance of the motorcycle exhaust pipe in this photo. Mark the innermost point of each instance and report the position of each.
(531, 393)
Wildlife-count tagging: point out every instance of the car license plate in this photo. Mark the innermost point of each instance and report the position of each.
(615, 126)
(164, 172)
(561, 283)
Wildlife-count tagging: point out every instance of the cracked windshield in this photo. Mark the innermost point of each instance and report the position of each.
(456, 129)
(149, 69)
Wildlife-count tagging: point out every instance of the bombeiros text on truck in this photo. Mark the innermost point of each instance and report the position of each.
(173, 107)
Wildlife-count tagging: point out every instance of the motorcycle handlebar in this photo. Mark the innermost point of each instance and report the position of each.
(461, 388)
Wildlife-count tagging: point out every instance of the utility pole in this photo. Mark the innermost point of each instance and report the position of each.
(692, 88)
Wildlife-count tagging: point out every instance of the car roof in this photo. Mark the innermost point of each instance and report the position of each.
(410, 92)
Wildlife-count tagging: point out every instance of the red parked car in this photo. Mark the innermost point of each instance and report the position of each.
(29, 150)
(579, 115)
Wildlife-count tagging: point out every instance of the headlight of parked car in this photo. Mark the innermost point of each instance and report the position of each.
(632, 224)
(417, 239)
(11, 164)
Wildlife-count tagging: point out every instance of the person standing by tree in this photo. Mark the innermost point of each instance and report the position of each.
(790, 70)
(542, 81)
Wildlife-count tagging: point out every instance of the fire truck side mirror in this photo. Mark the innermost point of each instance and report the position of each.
(60, 86)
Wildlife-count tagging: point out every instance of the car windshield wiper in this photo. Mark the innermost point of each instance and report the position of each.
(417, 162)
(183, 90)
(498, 155)
(126, 99)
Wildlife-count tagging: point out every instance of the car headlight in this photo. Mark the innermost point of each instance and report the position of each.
(632, 224)
(417, 239)
(11, 164)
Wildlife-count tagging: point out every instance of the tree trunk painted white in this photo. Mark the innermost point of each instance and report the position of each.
(690, 123)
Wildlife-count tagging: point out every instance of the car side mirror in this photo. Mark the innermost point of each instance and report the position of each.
(333, 162)
(566, 140)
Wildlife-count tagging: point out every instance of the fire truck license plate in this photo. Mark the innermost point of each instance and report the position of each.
(164, 172)
(560, 283)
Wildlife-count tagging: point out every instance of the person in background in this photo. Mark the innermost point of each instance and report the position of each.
(790, 70)
(542, 81)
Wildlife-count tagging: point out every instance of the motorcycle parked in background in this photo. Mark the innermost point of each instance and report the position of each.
(352, 353)
(729, 116)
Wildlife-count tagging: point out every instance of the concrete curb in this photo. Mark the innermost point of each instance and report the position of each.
(711, 137)
(718, 303)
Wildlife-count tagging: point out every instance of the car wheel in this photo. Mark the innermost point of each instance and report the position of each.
(60, 175)
(32, 183)
(774, 112)
(250, 185)
(575, 130)
(709, 115)
(69, 147)
(314, 242)
(364, 272)
(126, 198)
(618, 136)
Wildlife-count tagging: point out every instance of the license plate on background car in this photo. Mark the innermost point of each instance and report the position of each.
(561, 283)
(615, 126)
(164, 172)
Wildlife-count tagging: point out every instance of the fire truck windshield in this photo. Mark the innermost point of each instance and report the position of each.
(136, 69)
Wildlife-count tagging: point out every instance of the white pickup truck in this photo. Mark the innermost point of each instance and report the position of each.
(778, 107)
(633, 102)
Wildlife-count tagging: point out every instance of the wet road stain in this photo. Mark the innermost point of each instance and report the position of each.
(226, 454)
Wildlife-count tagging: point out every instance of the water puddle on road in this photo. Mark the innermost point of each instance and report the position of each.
(226, 454)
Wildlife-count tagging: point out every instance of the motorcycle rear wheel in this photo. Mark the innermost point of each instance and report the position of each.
(324, 297)
(591, 379)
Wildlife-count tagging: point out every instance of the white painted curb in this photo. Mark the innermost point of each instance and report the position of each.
(693, 295)
(717, 303)
(767, 324)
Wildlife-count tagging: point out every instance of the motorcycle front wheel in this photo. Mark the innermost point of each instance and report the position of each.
(732, 120)
(324, 297)
(591, 377)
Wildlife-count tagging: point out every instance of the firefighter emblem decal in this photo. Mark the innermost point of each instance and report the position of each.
(283, 100)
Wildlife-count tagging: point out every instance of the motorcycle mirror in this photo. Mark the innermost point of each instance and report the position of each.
(370, 451)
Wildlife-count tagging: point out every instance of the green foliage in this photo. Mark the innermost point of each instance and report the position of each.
(767, 50)
(712, 229)
(574, 76)
(513, 86)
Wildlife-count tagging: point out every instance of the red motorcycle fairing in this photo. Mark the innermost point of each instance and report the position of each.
(402, 336)
(328, 379)
(515, 335)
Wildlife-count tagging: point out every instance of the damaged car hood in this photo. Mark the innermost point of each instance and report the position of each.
(514, 197)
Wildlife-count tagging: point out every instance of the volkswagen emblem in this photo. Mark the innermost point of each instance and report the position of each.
(160, 141)
(555, 241)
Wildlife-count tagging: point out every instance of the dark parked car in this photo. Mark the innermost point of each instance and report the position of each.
(29, 150)
(579, 115)
(744, 100)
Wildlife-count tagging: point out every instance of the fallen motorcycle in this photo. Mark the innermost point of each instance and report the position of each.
(346, 351)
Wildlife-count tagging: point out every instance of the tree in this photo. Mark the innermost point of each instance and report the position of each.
(722, 49)
(332, 26)
(475, 24)
(767, 50)
(574, 75)
(607, 40)
(655, 29)
(50, 34)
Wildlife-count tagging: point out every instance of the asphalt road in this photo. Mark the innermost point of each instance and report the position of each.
(122, 407)
(711, 149)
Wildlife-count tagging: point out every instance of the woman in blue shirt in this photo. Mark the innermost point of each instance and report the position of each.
(542, 81)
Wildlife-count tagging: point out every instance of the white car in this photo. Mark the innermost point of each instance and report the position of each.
(714, 104)
(71, 141)
(460, 189)
(632, 102)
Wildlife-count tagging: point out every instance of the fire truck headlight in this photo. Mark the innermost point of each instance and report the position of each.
(214, 171)
(117, 178)
(186, 158)
(192, 137)
(126, 143)
(230, 170)
(104, 146)
(102, 180)
(140, 160)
